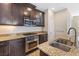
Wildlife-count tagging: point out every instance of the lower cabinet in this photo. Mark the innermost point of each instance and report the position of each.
(12, 48)
(17, 47)
(43, 38)
(4, 48)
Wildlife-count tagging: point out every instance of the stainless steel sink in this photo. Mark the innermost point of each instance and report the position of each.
(65, 41)
(62, 44)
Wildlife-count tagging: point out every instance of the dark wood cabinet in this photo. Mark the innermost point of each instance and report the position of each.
(17, 16)
(13, 47)
(43, 38)
(33, 15)
(29, 10)
(35, 19)
(5, 14)
(4, 48)
(39, 18)
(10, 14)
(17, 47)
(15, 13)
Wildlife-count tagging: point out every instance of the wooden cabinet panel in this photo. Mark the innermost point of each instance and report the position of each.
(39, 18)
(15, 13)
(17, 47)
(29, 10)
(33, 15)
(36, 18)
(10, 14)
(4, 49)
(17, 16)
(13, 48)
(43, 38)
(5, 13)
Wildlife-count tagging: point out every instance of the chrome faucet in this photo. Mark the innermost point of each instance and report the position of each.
(75, 34)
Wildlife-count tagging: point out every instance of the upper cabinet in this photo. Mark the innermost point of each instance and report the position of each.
(17, 16)
(5, 13)
(39, 18)
(32, 16)
(10, 14)
(22, 14)
(29, 11)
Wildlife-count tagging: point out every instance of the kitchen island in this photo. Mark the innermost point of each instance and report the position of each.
(52, 51)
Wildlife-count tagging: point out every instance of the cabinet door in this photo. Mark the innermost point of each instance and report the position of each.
(43, 38)
(39, 18)
(17, 47)
(29, 11)
(5, 13)
(17, 15)
(4, 49)
(33, 14)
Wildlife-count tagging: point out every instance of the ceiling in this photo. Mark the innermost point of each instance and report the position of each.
(72, 7)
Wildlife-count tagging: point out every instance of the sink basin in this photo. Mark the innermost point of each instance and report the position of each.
(62, 44)
(65, 41)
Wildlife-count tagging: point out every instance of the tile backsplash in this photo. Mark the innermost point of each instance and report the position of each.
(17, 29)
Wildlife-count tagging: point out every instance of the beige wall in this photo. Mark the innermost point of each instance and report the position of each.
(18, 29)
(75, 21)
(75, 24)
(46, 21)
(49, 24)
(62, 23)
(58, 24)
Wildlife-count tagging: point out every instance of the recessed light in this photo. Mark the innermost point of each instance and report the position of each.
(29, 9)
(40, 13)
(53, 8)
(25, 13)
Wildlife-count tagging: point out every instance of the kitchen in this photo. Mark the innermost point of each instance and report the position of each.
(21, 28)
(26, 30)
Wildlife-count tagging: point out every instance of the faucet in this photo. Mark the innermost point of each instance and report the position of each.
(75, 34)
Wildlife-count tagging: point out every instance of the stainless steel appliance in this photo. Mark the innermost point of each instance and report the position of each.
(31, 42)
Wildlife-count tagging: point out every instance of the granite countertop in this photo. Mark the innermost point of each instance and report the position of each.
(10, 37)
(6, 37)
(52, 51)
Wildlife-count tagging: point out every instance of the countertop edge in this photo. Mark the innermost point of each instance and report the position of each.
(7, 37)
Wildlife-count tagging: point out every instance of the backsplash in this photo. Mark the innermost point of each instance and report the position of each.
(18, 29)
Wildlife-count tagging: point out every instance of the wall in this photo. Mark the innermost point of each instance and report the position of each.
(62, 23)
(75, 24)
(58, 24)
(46, 21)
(18, 29)
(49, 24)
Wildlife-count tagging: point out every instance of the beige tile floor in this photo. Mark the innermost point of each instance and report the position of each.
(34, 53)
